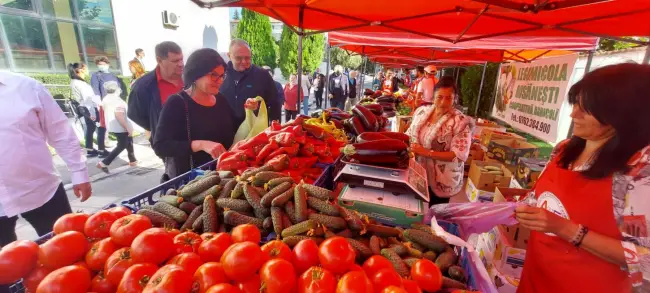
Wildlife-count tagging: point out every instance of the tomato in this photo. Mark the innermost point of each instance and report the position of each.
(278, 275)
(276, 249)
(100, 284)
(316, 280)
(427, 275)
(385, 278)
(336, 255)
(153, 246)
(116, 265)
(17, 259)
(393, 289)
(169, 279)
(187, 242)
(207, 275)
(34, 278)
(208, 235)
(252, 285)
(172, 232)
(70, 222)
(136, 278)
(411, 286)
(64, 249)
(212, 249)
(99, 224)
(305, 255)
(242, 260)
(99, 253)
(125, 229)
(355, 267)
(120, 211)
(354, 282)
(223, 288)
(375, 264)
(246, 232)
(190, 261)
(70, 279)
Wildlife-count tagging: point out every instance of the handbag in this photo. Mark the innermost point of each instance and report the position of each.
(187, 122)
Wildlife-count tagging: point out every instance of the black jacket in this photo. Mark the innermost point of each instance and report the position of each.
(240, 86)
(144, 102)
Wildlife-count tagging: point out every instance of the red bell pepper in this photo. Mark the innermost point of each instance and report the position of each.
(314, 141)
(275, 153)
(307, 150)
(266, 151)
(279, 163)
(285, 139)
(321, 150)
(259, 139)
(301, 163)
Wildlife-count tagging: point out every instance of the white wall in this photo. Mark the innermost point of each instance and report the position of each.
(139, 25)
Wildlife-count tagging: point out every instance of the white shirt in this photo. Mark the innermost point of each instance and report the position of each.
(426, 88)
(112, 104)
(305, 84)
(31, 120)
(83, 93)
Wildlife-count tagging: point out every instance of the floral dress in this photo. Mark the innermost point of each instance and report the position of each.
(451, 133)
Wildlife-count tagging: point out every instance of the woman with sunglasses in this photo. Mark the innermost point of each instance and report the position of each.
(196, 125)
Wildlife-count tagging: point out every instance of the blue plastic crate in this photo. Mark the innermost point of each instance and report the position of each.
(151, 196)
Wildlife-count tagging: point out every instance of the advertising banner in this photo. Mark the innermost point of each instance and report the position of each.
(529, 96)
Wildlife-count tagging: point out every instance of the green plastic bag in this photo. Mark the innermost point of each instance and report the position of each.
(253, 125)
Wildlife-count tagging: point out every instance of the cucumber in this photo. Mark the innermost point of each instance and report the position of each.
(457, 273)
(300, 228)
(362, 250)
(227, 189)
(283, 199)
(335, 223)
(446, 260)
(318, 192)
(291, 241)
(400, 267)
(158, 219)
(171, 211)
(383, 231)
(254, 199)
(277, 181)
(300, 202)
(194, 215)
(210, 217)
(199, 186)
(268, 198)
(323, 206)
(428, 240)
(352, 218)
(238, 191)
(239, 205)
(234, 219)
(263, 177)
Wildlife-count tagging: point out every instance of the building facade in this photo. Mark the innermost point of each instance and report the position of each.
(43, 36)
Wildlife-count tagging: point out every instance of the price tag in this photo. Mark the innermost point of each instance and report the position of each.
(373, 184)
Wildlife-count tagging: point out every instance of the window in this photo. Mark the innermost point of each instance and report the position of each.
(18, 4)
(59, 8)
(27, 42)
(65, 43)
(3, 60)
(100, 41)
(95, 10)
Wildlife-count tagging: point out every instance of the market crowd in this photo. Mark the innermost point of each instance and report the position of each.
(193, 110)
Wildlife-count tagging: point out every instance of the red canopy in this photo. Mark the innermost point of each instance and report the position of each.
(460, 21)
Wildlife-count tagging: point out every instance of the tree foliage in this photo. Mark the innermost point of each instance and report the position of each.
(341, 57)
(312, 52)
(236, 15)
(256, 30)
(612, 45)
(470, 84)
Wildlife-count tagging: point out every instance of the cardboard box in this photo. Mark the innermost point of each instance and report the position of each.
(486, 181)
(488, 135)
(508, 151)
(476, 152)
(528, 170)
(508, 260)
(480, 127)
(402, 123)
(476, 195)
(516, 236)
(384, 206)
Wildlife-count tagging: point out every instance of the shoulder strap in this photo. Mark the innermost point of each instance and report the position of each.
(187, 122)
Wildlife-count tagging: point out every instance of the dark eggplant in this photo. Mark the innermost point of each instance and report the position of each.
(338, 123)
(334, 110)
(368, 92)
(385, 99)
(389, 114)
(375, 108)
(381, 146)
(356, 125)
(368, 119)
(369, 136)
(397, 135)
(339, 116)
(367, 100)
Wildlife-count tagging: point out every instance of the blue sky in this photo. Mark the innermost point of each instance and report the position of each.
(232, 11)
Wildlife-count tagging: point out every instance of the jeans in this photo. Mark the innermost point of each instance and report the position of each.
(90, 130)
(318, 96)
(305, 105)
(124, 141)
(289, 115)
(338, 103)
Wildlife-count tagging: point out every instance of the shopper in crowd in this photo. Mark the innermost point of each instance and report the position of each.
(117, 124)
(338, 88)
(245, 81)
(136, 65)
(352, 94)
(318, 86)
(196, 125)
(590, 231)
(103, 75)
(306, 85)
(406, 81)
(150, 92)
(291, 93)
(390, 84)
(278, 86)
(419, 75)
(87, 104)
(441, 137)
(29, 184)
(315, 75)
(425, 90)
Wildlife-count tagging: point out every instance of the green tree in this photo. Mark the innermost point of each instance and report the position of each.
(236, 15)
(612, 45)
(312, 53)
(256, 30)
(341, 57)
(470, 83)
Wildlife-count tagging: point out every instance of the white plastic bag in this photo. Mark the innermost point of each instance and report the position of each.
(253, 124)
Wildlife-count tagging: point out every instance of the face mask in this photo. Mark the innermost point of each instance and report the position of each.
(103, 68)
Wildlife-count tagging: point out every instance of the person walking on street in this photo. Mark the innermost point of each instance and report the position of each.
(427, 85)
(352, 95)
(245, 81)
(29, 184)
(97, 81)
(338, 88)
(291, 93)
(136, 66)
(150, 92)
(306, 85)
(88, 107)
(318, 85)
(117, 124)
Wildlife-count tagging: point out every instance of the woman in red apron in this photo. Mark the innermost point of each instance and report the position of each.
(593, 198)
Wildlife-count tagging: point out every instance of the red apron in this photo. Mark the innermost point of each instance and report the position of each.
(553, 264)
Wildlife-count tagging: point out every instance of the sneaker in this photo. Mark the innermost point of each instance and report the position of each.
(133, 164)
(90, 153)
(103, 153)
(102, 167)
